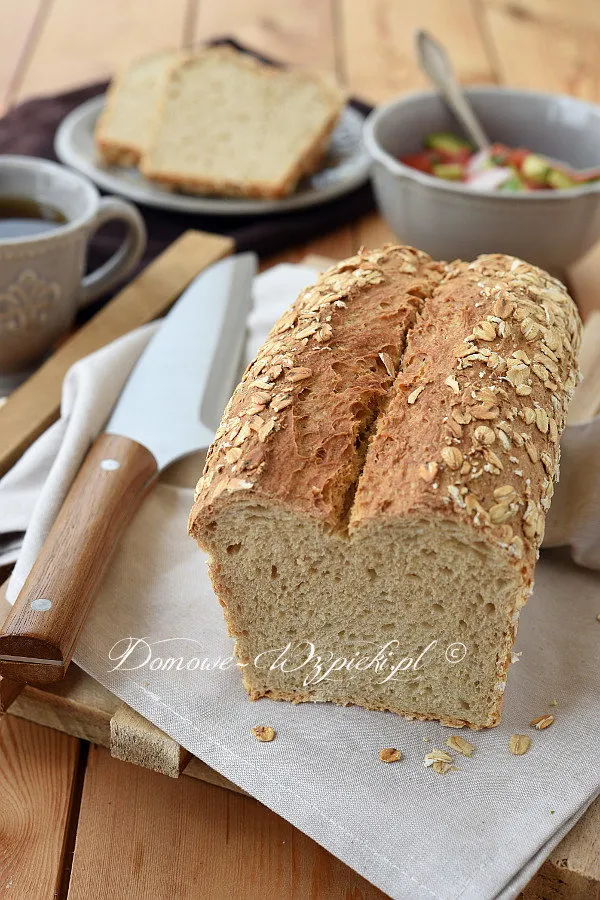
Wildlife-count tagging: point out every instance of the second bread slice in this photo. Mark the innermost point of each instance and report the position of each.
(230, 125)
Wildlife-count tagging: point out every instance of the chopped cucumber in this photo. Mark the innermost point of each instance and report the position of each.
(449, 171)
(514, 183)
(557, 179)
(445, 142)
(535, 168)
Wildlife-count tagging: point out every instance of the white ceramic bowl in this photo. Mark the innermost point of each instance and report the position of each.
(549, 228)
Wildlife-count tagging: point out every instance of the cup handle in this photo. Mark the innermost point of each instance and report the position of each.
(125, 258)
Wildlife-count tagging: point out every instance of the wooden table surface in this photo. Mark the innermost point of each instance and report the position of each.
(73, 821)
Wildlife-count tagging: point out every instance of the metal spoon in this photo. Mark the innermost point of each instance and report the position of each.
(435, 62)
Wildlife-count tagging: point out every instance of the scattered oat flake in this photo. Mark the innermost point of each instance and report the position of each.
(388, 362)
(598, 618)
(428, 471)
(553, 703)
(519, 744)
(542, 722)
(389, 755)
(412, 397)
(437, 756)
(452, 383)
(458, 743)
(264, 733)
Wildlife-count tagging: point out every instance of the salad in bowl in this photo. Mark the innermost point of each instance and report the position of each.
(496, 168)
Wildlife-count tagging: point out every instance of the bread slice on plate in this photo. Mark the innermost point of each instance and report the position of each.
(375, 497)
(231, 125)
(124, 128)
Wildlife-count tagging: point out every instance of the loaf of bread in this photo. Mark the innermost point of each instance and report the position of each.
(124, 127)
(230, 125)
(375, 497)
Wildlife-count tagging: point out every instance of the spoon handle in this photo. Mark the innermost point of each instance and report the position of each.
(435, 62)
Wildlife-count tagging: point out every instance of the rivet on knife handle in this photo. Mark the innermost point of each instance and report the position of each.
(39, 635)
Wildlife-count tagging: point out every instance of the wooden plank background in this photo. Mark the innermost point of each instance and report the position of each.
(97, 828)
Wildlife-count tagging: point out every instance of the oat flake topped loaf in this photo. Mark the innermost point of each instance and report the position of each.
(381, 478)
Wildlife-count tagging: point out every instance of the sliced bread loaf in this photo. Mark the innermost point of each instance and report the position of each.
(230, 125)
(124, 128)
(375, 497)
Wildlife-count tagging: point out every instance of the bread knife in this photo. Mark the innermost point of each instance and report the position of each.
(162, 415)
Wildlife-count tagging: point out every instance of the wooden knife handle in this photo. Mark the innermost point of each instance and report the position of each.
(39, 635)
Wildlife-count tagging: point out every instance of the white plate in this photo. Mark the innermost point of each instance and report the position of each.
(346, 167)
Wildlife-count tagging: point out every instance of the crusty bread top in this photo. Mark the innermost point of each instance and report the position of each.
(229, 123)
(325, 371)
(469, 428)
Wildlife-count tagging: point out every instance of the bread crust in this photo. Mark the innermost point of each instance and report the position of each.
(448, 721)
(309, 157)
(467, 419)
(344, 338)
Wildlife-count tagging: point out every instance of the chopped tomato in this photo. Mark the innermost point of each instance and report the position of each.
(424, 160)
(517, 156)
(460, 156)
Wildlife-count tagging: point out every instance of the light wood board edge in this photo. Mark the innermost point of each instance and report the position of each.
(35, 405)
(85, 710)
(134, 739)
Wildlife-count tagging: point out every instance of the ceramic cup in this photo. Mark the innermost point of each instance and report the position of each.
(42, 281)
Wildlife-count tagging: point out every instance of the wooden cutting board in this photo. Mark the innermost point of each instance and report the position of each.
(81, 707)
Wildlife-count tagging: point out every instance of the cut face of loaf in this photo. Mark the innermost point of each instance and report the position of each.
(231, 125)
(375, 496)
(125, 126)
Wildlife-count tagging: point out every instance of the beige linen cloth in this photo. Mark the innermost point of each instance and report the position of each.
(477, 833)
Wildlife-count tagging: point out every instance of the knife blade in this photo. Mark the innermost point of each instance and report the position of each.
(162, 414)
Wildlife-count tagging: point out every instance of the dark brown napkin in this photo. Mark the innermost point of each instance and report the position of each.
(30, 128)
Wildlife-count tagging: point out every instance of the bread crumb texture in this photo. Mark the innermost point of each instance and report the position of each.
(381, 478)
